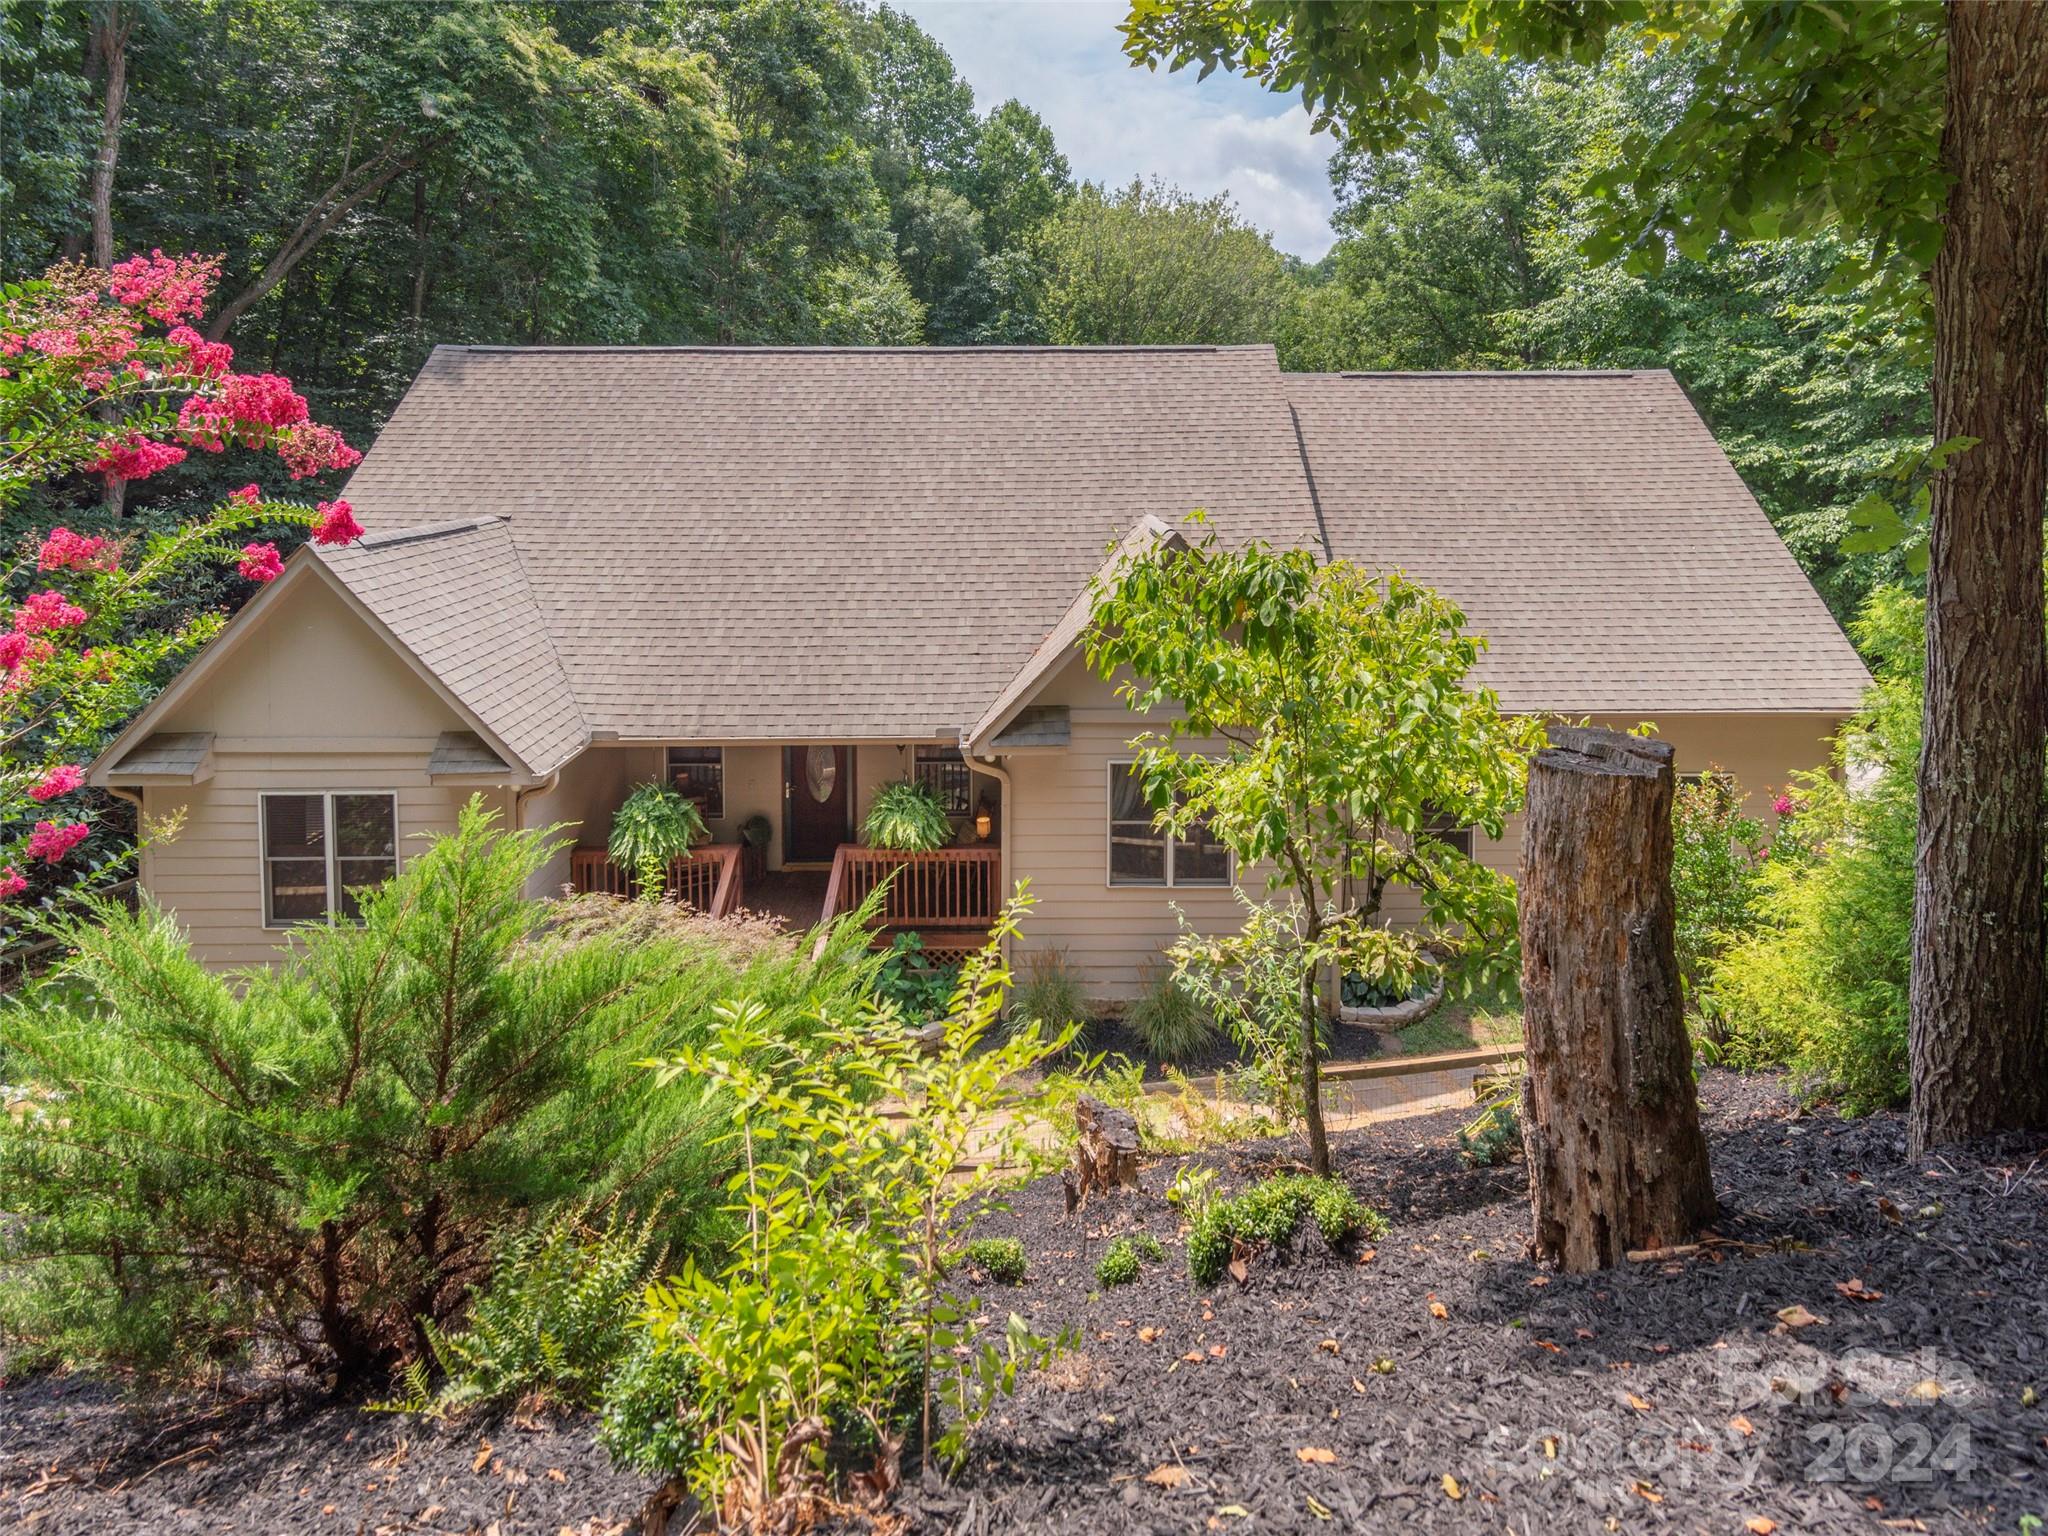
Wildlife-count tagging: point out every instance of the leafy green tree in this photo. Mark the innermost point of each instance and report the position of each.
(921, 122)
(938, 246)
(1019, 178)
(1153, 264)
(866, 304)
(1320, 724)
(1918, 131)
(46, 132)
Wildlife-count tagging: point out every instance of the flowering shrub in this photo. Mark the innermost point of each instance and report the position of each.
(102, 375)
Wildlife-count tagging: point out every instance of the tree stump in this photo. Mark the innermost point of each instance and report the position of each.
(1610, 1118)
(1105, 1151)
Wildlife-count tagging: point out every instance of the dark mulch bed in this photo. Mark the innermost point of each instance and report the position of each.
(73, 1458)
(1609, 1402)
(1112, 1038)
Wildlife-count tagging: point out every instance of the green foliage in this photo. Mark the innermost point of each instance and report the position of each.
(910, 980)
(1000, 1258)
(550, 1325)
(1050, 998)
(1122, 1261)
(906, 816)
(1250, 982)
(833, 1304)
(1168, 1019)
(653, 826)
(319, 1157)
(1192, 1190)
(1152, 264)
(646, 1421)
(1494, 1135)
(1821, 986)
(1267, 1214)
(1716, 871)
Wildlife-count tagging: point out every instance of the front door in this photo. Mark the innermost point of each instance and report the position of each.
(817, 799)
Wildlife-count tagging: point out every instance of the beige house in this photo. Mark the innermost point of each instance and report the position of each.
(783, 577)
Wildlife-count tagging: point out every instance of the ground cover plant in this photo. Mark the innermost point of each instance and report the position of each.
(1124, 1259)
(1000, 1258)
(317, 1163)
(1265, 1216)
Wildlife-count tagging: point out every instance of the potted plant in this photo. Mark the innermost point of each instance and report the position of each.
(906, 817)
(755, 834)
(655, 825)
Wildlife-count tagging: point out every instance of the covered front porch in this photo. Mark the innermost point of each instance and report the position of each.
(784, 822)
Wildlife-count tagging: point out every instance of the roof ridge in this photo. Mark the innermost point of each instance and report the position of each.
(1109, 348)
(426, 531)
(1483, 373)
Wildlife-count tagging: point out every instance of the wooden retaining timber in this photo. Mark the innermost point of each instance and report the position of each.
(707, 878)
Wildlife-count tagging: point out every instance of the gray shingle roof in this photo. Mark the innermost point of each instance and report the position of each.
(786, 543)
(781, 544)
(1591, 529)
(455, 595)
(463, 752)
(164, 755)
(1036, 725)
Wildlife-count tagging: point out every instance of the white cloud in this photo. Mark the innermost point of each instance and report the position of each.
(1115, 121)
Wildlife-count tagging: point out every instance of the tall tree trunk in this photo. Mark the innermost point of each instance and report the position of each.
(112, 24)
(1610, 1119)
(1979, 1053)
(1311, 1056)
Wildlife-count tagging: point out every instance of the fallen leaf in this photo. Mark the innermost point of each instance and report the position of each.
(1319, 1509)
(1796, 1316)
(1584, 1333)
(1169, 1475)
(1384, 1366)
(1451, 1488)
(1367, 1255)
(1240, 1271)
(1193, 1357)
(1555, 1349)
(1322, 1455)
(1887, 1210)
(1741, 1425)
(1329, 1345)
(1761, 1525)
(1218, 1351)
(1856, 1290)
(1358, 1386)
(483, 1457)
(1928, 1391)
(1235, 1511)
(1150, 1335)
(1644, 1490)
(1439, 1311)
(1641, 1405)
(557, 1475)
(1539, 1279)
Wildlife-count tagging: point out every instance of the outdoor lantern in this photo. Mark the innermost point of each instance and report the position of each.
(983, 824)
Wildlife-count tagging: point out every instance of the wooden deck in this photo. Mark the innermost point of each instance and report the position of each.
(706, 878)
(948, 897)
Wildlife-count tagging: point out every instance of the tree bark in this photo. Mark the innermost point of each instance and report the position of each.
(1311, 1060)
(1979, 1054)
(1106, 1147)
(1610, 1120)
(108, 45)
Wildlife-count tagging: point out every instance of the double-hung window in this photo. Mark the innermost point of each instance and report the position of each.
(319, 850)
(699, 773)
(1143, 854)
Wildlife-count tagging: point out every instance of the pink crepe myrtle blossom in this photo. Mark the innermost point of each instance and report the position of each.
(248, 495)
(12, 883)
(51, 840)
(206, 359)
(172, 288)
(47, 610)
(261, 562)
(134, 457)
(18, 649)
(64, 550)
(53, 342)
(61, 779)
(337, 523)
(1783, 805)
(311, 449)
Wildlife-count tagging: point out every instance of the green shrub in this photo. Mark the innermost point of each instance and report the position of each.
(647, 1415)
(1821, 985)
(1119, 1264)
(1267, 1214)
(917, 985)
(1167, 1019)
(1494, 1135)
(1049, 995)
(906, 816)
(1717, 857)
(1148, 1247)
(833, 1308)
(551, 1324)
(654, 825)
(320, 1157)
(1000, 1258)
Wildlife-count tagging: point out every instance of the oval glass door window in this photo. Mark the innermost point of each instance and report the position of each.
(821, 772)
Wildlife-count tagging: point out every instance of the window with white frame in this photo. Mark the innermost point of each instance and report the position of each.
(944, 772)
(319, 850)
(699, 773)
(1143, 854)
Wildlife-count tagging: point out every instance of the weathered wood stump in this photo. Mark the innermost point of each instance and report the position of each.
(1610, 1118)
(1105, 1151)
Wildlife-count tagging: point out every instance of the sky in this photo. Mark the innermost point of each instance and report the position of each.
(1063, 59)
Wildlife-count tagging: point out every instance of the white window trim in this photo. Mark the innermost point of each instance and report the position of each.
(1124, 765)
(328, 840)
(668, 775)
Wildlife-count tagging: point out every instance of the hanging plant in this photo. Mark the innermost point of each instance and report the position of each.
(655, 825)
(906, 817)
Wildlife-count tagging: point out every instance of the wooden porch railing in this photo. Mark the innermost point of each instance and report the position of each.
(706, 878)
(948, 896)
